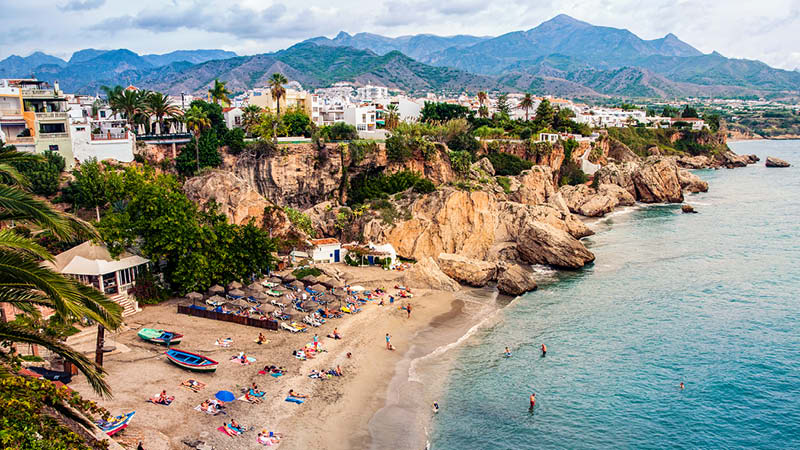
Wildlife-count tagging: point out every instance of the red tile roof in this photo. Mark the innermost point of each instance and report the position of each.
(325, 241)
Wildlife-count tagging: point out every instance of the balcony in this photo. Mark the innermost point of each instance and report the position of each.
(51, 115)
(39, 93)
(110, 136)
(10, 112)
(53, 136)
(20, 140)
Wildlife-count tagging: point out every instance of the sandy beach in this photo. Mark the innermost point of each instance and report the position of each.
(336, 415)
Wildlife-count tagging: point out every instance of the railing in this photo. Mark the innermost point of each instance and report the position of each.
(110, 136)
(10, 112)
(269, 324)
(20, 140)
(54, 135)
(38, 92)
(51, 115)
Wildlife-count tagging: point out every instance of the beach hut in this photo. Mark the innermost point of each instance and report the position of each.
(237, 293)
(234, 285)
(216, 289)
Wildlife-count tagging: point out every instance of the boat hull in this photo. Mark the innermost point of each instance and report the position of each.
(178, 358)
(147, 336)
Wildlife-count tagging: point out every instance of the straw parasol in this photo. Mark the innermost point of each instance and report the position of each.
(324, 279)
(289, 278)
(311, 279)
(337, 283)
(194, 296)
(318, 288)
(237, 292)
(260, 296)
(255, 286)
(216, 298)
(297, 284)
(216, 289)
(234, 285)
(274, 280)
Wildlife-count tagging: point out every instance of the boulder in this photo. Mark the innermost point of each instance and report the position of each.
(731, 160)
(583, 200)
(484, 165)
(687, 209)
(775, 162)
(540, 243)
(654, 151)
(514, 279)
(624, 198)
(425, 274)
(691, 182)
(656, 181)
(536, 186)
(694, 162)
(467, 270)
(618, 174)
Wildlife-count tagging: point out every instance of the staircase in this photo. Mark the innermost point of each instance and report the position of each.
(129, 305)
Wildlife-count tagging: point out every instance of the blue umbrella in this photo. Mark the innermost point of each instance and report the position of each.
(225, 396)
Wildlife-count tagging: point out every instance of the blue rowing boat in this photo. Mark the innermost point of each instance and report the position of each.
(191, 361)
(116, 424)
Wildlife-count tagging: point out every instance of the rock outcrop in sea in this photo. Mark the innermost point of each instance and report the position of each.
(776, 162)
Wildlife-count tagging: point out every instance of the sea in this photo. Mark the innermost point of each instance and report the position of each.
(710, 300)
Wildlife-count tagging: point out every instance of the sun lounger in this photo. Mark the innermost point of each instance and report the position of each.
(291, 328)
(294, 400)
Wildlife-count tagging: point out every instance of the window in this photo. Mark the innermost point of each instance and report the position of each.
(80, 129)
(237, 120)
(53, 148)
(102, 114)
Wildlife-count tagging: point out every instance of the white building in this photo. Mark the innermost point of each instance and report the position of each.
(101, 139)
(362, 117)
(327, 250)
(233, 117)
(371, 93)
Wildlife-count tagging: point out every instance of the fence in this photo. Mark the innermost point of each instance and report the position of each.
(249, 321)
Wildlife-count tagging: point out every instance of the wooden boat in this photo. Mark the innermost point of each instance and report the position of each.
(116, 424)
(191, 361)
(162, 337)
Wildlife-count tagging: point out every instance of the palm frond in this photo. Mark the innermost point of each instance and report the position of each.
(16, 204)
(94, 375)
(11, 241)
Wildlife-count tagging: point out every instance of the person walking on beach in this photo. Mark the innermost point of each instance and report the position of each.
(544, 350)
(316, 341)
(533, 401)
(388, 342)
(408, 310)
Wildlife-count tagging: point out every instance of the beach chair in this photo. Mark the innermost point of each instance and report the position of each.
(288, 327)
(309, 320)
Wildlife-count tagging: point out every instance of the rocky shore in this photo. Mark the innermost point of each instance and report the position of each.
(474, 229)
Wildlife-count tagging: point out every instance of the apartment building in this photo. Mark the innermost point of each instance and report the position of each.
(44, 124)
(361, 116)
(293, 98)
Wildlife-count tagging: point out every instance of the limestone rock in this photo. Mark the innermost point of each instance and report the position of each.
(540, 243)
(239, 201)
(691, 182)
(583, 200)
(731, 160)
(485, 165)
(687, 209)
(624, 198)
(514, 279)
(775, 162)
(694, 162)
(536, 186)
(654, 151)
(467, 270)
(656, 181)
(619, 174)
(425, 274)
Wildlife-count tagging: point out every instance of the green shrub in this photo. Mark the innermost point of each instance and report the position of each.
(487, 132)
(505, 183)
(43, 175)
(234, 139)
(300, 220)
(360, 148)
(371, 185)
(339, 131)
(463, 142)
(508, 164)
(424, 186)
(304, 272)
(460, 161)
(148, 289)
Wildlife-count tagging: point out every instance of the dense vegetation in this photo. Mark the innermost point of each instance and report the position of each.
(639, 139)
(370, 185)
(508, 164)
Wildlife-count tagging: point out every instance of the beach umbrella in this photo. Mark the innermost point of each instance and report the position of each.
(237, 292)
(309, 280)
(234, 285)
(324, 279)
(255, 286)
(172, 128)
(225, 396)
(297, 284)
(216, 289)
(216, 298)
(141, 129)
(158, 128)
(260, 296)
(194, 296)
(274, 280)
(183, 127)
(337, 284)
(318, 288)
(289, 278)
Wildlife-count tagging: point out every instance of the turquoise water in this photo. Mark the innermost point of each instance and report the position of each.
(709, 299)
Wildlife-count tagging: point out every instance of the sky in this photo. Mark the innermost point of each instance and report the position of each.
(767, 30)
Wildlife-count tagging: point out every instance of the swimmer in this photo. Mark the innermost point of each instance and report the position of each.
(507, 353)
(544, 350)
(435, 407)
(682, 385)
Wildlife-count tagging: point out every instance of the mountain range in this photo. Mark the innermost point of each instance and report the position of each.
(562, 56)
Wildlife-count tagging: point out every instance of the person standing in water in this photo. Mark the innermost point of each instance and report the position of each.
(682, 385)
(507, 353)
(533, 401)
(544, 350)
(388, 342)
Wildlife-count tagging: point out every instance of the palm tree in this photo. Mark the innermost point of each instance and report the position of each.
(219, 93)
(27, 284)
(526, 103)
(482, 97)
(158, 104)
(392, 118)
(251, 116)
(483, 111)
(131, 103)
(196, 120)
(276, 82)
(112, 97)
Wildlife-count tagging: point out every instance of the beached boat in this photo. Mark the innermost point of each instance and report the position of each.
(191, 361)
(116, 424)
(162, 337)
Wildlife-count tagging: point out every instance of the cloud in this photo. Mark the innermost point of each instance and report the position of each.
(82, 5)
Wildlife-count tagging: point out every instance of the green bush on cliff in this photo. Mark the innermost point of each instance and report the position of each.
(371, 185)
(508, 164)
(640, 139)
(359, 149)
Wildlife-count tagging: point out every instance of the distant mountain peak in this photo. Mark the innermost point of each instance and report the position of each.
(342, 35)
(564, 20)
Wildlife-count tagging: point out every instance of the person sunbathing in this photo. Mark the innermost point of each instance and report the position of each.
(255, 390)
(294, 394)
(251, 398)
(261, 339)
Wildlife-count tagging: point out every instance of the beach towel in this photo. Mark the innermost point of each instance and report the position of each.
(294, 400)
(259, 395)
(227, 431)
(193, 385)
(200, 408)
(237, 359)
(224, 342)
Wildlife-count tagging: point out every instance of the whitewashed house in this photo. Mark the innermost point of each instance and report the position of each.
(233, 117)
(327, 250)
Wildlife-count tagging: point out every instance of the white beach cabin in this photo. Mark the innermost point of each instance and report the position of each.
(327, 250)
